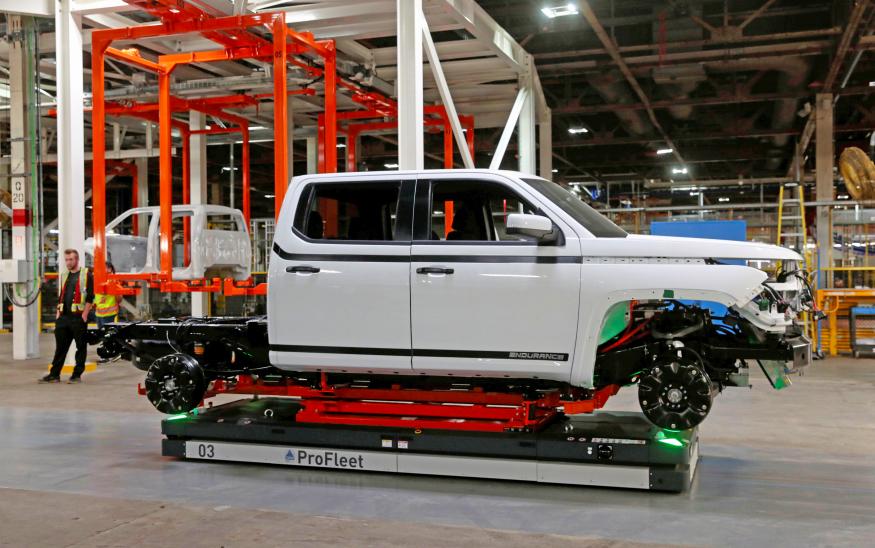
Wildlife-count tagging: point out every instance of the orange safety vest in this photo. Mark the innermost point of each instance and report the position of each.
(105, 306)
(78, 303)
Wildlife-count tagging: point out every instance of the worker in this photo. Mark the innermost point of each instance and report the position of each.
(75, 299)
(106, 306)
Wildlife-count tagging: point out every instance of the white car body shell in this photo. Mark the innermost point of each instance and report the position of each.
(499, 315)
(212, 250)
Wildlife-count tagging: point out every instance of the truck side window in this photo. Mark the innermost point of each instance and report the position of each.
(351, 211)
(474, 211)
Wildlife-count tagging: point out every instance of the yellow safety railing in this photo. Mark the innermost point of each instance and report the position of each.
(836, 303)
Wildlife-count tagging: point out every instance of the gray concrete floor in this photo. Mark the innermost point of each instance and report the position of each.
(80, 465)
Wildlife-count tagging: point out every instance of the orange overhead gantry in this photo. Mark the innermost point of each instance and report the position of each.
(236, 39)
(233, 33)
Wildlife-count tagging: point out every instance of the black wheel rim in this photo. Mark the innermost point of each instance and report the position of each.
(675, 394)
(175, 383)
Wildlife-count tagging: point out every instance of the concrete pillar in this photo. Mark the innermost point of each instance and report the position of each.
(200, 301)
(25, 319)
(312, 155)
(408, 85)
(545, 146)
(526, 128)
(824, 162)
(142, 164)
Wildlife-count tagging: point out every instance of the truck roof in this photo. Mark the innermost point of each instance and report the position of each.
(408, 173)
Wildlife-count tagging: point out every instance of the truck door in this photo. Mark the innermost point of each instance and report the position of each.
(486, 303)
(339, 297)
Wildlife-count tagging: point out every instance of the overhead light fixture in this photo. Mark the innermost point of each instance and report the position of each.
(555, 171)
(341, 145)
(723, 199)
(269, 196)
(696, 193)
(842, 196)
(663, 151)
(679, 170)
(560, 11)
(391, 166)
(872, 84)
(576, 130)
(253, 128)
(226, 168)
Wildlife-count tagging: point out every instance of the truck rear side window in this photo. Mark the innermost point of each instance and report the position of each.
(349, 211)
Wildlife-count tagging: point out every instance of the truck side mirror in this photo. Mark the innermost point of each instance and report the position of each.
(536, 226)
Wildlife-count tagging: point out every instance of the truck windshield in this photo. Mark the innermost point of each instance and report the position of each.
(596, 223)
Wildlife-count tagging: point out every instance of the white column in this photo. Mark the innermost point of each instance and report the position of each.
(408, 84)
(71, 133)
(25, 320)
(545, 146)
(312, 155)
(290, 140)
(200, 301)
(526, 128)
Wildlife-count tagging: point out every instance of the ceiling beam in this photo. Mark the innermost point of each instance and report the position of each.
(609, 45)
(837, 62)
(727, 99)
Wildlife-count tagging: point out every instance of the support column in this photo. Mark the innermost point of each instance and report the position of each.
(200, 301)
(290, 141)
(526, 128)
(408, 84)
(312, 155)
(25, 319)
(824, 162)
(142, 164)
(545, 150)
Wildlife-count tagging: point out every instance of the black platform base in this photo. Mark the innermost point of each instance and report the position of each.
(604, 449)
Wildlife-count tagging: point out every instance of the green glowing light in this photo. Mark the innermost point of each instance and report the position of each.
(671, 441)
(661, 437)
(177, 417)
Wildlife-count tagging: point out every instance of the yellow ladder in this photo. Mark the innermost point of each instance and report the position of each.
(799, 232)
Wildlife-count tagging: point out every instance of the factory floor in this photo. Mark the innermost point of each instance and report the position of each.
(80, 465)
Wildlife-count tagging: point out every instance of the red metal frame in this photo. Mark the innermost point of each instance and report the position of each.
(237, 42)
(230, 32)
(382, 108)
(399, 407)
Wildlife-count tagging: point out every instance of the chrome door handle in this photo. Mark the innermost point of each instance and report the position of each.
(434, 270)
(307, 269)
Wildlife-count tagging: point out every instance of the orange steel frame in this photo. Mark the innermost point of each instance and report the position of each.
(230, 32)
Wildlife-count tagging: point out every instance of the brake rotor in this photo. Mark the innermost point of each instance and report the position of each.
(675, 393)
(175, 383)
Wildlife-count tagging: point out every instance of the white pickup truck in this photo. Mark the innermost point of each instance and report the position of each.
(497, 278)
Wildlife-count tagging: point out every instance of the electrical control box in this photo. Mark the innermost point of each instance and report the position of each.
(15, 271)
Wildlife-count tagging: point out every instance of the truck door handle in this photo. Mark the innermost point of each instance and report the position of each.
(303, 269)
(434, 270)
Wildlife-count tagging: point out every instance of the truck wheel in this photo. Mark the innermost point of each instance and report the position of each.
(175, 383)
(675, 393)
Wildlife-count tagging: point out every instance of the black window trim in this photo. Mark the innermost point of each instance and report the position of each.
(423, 215)
(403, 216)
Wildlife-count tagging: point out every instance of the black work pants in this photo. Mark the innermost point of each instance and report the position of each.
(69, 328)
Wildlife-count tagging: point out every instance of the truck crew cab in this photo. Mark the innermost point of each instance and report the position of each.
(494, 279)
